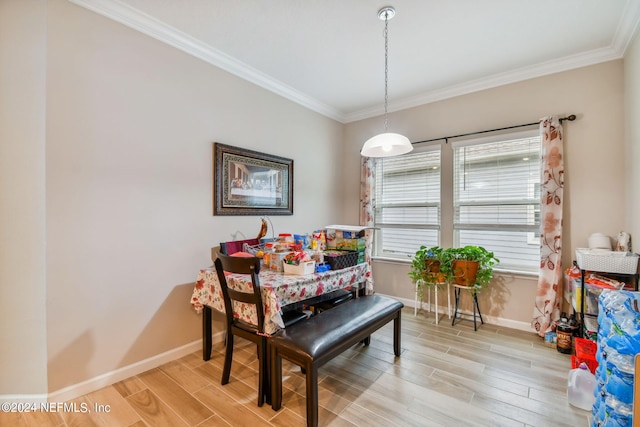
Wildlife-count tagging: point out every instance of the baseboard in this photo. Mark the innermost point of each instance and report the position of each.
(106, 379)
(36, 399)
(96, 383)
(499, 321)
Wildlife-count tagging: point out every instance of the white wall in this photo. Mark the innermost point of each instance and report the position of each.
(130, 126)
(22, 199)
(595, 179)
(632, 123)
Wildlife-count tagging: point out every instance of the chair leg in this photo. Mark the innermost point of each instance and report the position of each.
(206, 333)
(276, 379)
(228, 357)
(262, 372)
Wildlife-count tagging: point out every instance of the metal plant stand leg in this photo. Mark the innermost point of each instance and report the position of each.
(475, 304)
(449, 299)
(476, 307)
(475, 299)
(436, 292)
(455, 311)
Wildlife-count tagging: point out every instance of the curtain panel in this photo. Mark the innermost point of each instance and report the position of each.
(367, 208)
(548, 301)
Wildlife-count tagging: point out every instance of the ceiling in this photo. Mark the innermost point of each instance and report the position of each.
(328, 55)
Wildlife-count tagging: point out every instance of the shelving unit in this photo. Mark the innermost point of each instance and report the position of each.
(614, 266)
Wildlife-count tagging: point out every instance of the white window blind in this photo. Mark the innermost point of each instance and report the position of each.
(407, 211)
(497, 198)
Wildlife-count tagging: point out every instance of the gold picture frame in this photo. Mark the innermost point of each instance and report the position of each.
(248, 182)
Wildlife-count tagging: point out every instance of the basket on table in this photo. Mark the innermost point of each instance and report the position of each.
(341, 259)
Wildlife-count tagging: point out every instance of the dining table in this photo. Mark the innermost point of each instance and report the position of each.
(278, 290)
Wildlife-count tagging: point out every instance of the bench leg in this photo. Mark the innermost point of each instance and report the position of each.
(276, 379)
(367, 340)
(312, 396)
(396, 335)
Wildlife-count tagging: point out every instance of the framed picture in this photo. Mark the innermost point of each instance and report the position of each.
(247, 182)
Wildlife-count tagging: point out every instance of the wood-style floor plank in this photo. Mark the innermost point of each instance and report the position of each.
(446, 376)
(177, 398)
(113, 408)
(153, 411)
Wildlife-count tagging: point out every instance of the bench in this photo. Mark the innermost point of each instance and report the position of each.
(314, 342)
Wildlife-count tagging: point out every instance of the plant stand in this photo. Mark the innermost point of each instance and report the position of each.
(457, 289)
(435, 287)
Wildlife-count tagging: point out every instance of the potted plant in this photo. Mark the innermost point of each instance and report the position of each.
(425, 267)
(469, 265)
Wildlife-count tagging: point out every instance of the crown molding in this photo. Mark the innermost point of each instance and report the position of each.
(139, 21)
(627, 27)
(521, 74)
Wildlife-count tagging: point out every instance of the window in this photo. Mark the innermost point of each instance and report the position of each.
(496, 197)
(407, 211)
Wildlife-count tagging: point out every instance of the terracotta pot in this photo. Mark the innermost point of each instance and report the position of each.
(437, 277)
(465, 272)
(432, 265)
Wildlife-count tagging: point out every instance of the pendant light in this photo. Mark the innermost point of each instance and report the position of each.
(386, 144)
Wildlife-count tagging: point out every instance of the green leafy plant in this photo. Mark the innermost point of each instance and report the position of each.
(485, 259)
(425, 267)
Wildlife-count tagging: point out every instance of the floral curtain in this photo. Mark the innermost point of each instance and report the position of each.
(548, 301)
(367, 207)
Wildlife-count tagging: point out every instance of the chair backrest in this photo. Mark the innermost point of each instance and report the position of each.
(240, 265)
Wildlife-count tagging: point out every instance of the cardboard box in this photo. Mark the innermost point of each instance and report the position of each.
(275, 260)
(346, 231)
(305, 267)
(343, 244)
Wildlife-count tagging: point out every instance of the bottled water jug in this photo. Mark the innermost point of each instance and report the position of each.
(581, 387)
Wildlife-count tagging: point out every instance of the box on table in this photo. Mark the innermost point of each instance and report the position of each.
(276, 260)
(335, 233)
(343, 244)
(346, 231)
(305, 267)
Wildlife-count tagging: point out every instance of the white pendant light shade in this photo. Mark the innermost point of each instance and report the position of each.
(386, 145)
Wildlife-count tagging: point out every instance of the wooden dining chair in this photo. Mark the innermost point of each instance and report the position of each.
(239, 327)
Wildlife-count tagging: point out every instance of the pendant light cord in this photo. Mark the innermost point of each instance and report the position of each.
(386, 68)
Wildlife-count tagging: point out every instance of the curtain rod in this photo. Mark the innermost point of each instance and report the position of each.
(570, 118)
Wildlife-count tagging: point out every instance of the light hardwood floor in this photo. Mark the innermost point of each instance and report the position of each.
(446, 376)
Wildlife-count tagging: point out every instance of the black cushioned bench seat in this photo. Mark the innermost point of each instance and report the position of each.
(314, 342)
